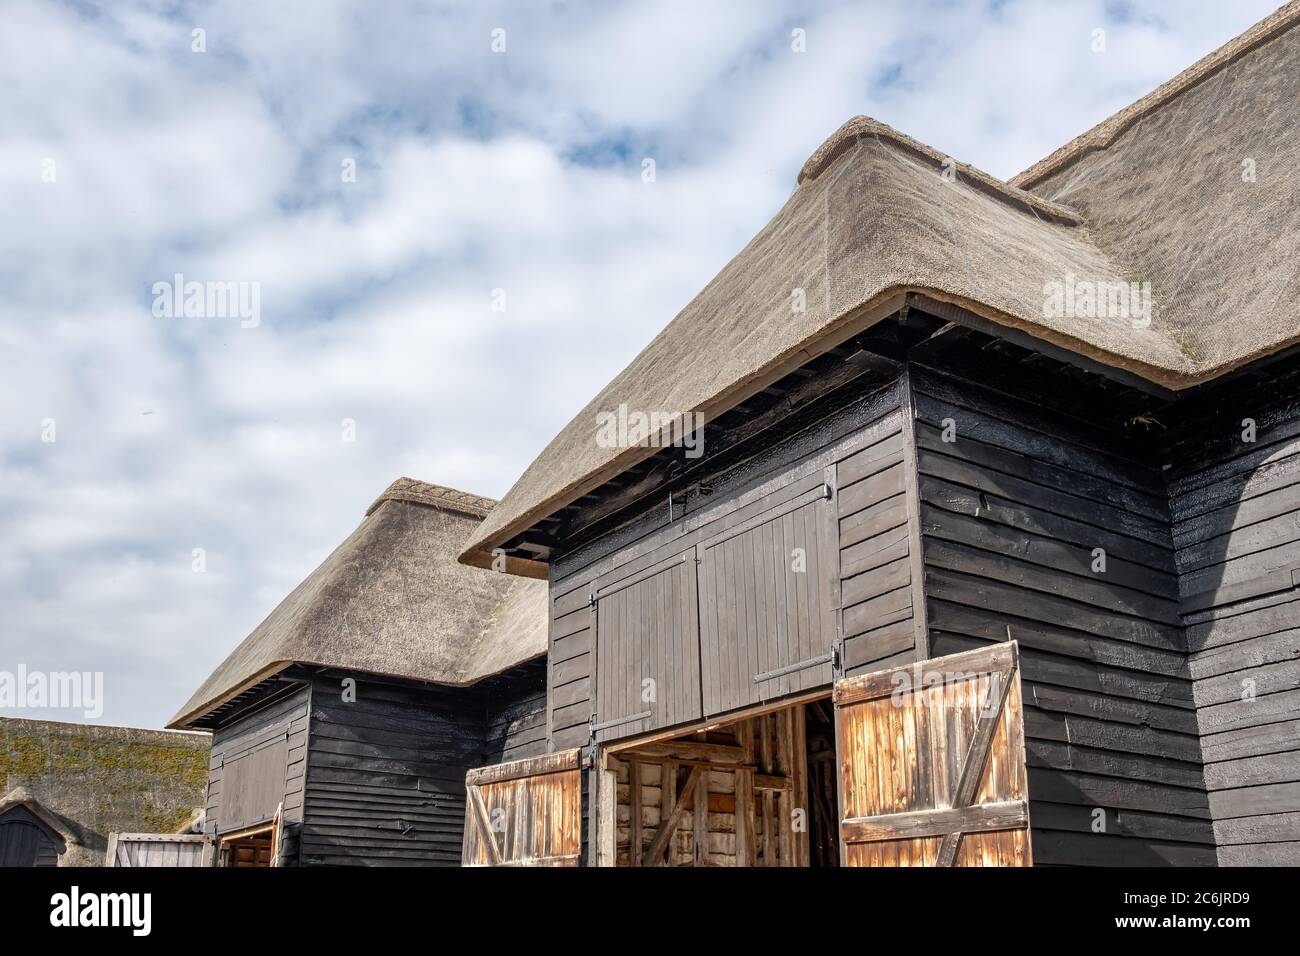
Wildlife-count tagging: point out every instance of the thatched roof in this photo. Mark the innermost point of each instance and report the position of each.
(1156, 196)
(392, 600)
(1165, 187)
(91, 780)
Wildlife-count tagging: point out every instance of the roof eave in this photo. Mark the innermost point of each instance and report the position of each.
(478, 552)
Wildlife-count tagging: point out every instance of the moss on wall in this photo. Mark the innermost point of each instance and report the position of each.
(101, 780)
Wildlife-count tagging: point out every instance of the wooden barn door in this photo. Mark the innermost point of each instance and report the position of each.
(932, 763)
(768, 596)
(525, 813)
(647, 649)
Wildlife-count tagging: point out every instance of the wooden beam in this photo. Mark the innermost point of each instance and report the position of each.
(700, 813)
(634, 822)
(744, 817)
(724, 754)
(668, 824)
(528, 767)
(972, 768)
(1064, 354)
(484, 824)
(784, 802)
(765, 761)
(799, 774)
(981, 660)
(766, 782)
(606, 837)
(980, 818)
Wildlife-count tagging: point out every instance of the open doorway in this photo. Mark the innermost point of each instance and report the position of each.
(253, 849)
(255, 846)
(754, 791)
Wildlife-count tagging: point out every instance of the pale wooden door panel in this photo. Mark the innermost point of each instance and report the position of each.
(525, 813)
(932, 763)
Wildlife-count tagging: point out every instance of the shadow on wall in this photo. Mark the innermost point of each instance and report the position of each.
(1235, 504)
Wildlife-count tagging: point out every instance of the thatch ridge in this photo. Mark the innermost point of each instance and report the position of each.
(859, 127)
(1106, 132)
(437, 496)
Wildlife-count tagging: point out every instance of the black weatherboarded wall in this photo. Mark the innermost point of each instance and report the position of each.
(258, 763)
(1236, 512)
(26, 840)
(1013, 510)
(376, 778)
(386, 773)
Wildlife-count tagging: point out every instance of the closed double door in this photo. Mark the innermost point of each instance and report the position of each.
(741, 612)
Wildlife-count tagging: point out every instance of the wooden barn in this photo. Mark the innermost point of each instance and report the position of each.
(956, 521)
(343, 726)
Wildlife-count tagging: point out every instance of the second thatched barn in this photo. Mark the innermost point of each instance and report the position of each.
(357, 706)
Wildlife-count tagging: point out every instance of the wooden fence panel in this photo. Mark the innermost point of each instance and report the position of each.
(159, 850)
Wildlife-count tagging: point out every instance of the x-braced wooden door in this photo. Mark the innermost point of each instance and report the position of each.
(932, 763)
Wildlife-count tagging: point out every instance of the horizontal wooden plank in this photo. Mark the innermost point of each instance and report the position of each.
(531, 767)
(686, 750)
(877, 519)
(980, 818)
(870, 460)
(991, 659)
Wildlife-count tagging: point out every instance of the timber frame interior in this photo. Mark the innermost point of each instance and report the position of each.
(251, 847)
(766, 782)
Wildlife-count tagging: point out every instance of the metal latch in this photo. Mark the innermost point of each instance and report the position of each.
(617, 721)
(791, 668)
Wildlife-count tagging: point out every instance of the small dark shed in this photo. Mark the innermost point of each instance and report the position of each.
(29, 834)
(357, 706)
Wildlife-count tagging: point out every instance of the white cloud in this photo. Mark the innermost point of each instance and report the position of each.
(475, 171)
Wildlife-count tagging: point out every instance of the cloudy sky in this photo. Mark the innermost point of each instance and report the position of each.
(130, 439)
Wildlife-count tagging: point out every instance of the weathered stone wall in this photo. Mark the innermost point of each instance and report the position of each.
(100, 780)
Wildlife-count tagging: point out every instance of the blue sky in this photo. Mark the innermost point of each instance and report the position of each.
(475, 171)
